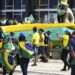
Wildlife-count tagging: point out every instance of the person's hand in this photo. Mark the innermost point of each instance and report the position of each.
(30, 34)
(2, 51)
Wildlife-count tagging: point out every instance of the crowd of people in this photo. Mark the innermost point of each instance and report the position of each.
(40, 40)
(5, 22)
(40, 43)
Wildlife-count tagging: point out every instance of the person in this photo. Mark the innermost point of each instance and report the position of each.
(7, 45)
(1, 40)
(65, 14)
(23, 60)
(13, 38)
(46, 42)
(35, 43)
(72, 53)
(65, 50)
(41, 45)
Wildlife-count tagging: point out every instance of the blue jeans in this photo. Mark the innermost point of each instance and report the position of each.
(24, 65)
(46, 50)
(73, 70)
(35, 50)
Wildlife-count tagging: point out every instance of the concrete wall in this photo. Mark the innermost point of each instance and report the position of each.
(56, 53)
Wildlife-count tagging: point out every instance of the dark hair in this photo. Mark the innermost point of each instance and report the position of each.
(69, 34)
(35, 29)
(48, 32)
(12, 33)
(22, 38)
(42, 30)
(73, 33)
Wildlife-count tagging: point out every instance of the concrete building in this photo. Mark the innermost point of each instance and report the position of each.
(19, 9)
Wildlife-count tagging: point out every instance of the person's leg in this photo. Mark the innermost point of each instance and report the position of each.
(35, 56)
(64, 55)
(66, 59)
(63, 58)
(70, 61)
(24, 65)
(44, 58)
(73, 70)
(4, 70)
(11, 73)
(46, 52)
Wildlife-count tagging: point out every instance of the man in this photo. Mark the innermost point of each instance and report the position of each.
(35, 43)
(72, 53)
(42, 45)
(64, 52)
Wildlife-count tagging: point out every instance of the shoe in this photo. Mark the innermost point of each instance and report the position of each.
(69, 67)
(63, 69)
(45, 61)
(34, 65)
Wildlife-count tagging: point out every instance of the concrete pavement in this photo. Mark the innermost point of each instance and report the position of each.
(53, 67)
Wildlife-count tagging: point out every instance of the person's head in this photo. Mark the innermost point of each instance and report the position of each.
(66, 32)
(34, 29)
(22, 37)
(48, 32)
(73, 34)
(41, 31)
(12, 33)
(6, 39)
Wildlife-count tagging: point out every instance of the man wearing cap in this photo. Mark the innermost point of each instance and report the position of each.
(64, 52)
(72, 53)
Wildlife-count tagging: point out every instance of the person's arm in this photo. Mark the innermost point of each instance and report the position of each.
(72, 53)
(33, 41)
(59, 36)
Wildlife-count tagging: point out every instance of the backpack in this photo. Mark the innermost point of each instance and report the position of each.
(46, 40)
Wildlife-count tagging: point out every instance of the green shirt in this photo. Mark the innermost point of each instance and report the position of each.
(6, 46)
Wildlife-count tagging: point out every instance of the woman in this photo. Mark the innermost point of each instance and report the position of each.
(23, 60)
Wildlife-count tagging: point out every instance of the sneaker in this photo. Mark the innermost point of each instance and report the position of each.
(34, 65)
(69, 67)
(63, 69)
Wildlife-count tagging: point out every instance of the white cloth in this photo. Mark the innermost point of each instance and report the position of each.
(69, 18)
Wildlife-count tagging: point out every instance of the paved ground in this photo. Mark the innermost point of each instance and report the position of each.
(51, 68)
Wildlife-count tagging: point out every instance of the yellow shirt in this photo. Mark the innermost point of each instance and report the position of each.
(36, 37)
(41, 42)
(65, 40)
